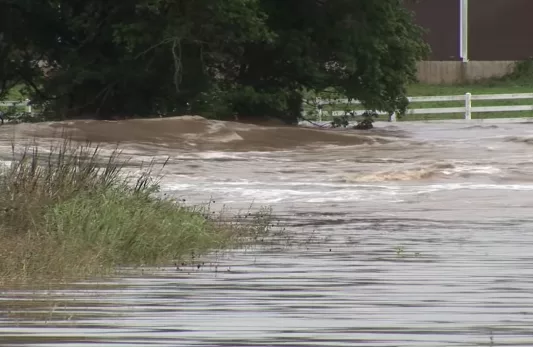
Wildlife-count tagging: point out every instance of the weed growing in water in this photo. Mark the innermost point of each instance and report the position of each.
(70, 213)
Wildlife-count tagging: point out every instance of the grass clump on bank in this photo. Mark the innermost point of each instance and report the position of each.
(67, 214)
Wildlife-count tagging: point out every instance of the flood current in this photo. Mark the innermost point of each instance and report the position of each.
(412, 234)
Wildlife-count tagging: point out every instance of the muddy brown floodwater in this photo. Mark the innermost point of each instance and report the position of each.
(422, 236)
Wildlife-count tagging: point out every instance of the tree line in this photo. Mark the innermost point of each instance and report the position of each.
(215, 58)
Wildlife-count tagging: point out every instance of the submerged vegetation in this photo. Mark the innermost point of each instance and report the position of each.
(70, 213)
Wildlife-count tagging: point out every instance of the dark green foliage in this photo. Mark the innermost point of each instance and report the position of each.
(217, 58)
(522, 73)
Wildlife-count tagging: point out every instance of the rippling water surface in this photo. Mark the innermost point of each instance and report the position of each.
(417, 235)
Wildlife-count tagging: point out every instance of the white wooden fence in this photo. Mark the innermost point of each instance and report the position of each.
(24, 103)
(467, 109)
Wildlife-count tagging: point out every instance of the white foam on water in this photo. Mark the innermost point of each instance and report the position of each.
(301, 192)
(219, 155)
(323, 188)
(474, 169)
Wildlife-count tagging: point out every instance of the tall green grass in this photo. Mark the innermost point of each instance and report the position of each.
(72, 213)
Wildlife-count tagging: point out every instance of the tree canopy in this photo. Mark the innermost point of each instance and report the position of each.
(216, 58)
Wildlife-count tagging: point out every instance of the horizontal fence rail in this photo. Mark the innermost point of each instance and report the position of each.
(467, 109)
(24, 103)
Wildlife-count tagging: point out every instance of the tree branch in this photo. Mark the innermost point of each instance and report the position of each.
(176, 54)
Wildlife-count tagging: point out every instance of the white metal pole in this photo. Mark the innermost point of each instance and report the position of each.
(463, 29)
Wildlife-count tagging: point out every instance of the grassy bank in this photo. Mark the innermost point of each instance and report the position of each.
(495, 86)
(17, 114)
(69, 214)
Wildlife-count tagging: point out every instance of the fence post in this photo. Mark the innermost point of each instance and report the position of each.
(468, 106)
(28, 106)
(318, 109)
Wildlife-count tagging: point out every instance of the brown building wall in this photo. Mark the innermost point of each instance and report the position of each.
(498, 29)
(501, 29)
(440, 19)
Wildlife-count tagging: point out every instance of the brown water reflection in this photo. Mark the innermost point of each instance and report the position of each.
(388, 256)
